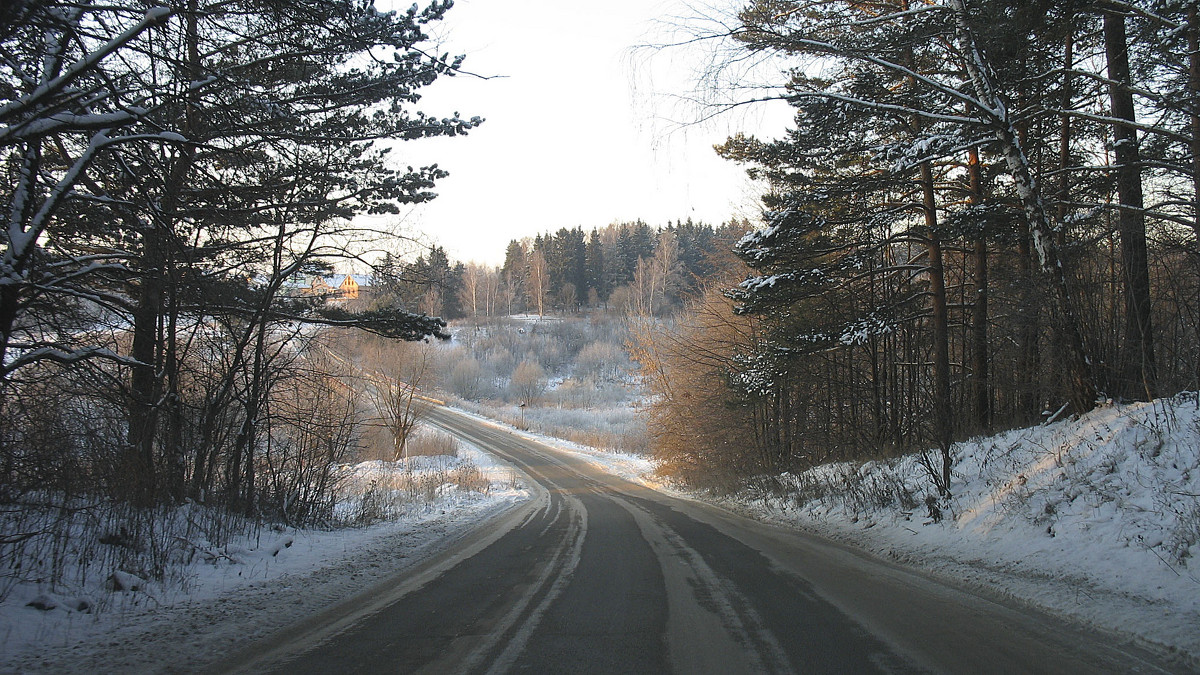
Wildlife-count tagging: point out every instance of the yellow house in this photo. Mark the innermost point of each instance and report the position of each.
(349, 288)
(319, 287)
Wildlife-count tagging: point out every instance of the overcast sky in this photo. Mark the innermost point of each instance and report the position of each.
(581, 128)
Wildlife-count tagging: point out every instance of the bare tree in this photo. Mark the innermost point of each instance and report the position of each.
(473, 287)
(492, 284)
(317, 421)
(431, 302)
(666, 270)
(641, 288)
(400, 369)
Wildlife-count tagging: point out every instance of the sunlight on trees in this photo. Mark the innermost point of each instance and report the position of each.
(953, 237)
(175, 178)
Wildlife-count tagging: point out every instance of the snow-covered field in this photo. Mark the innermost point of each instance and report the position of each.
(257, 585)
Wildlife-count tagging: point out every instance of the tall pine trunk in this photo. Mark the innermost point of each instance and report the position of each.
(1138, 372)
(943, 412)
(149, 339)
(980, 389)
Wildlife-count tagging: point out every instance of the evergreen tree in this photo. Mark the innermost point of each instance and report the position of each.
(594, 267)
(203, 156)
(514, 260)
(513, 273)
(858, 212)
(568, 265)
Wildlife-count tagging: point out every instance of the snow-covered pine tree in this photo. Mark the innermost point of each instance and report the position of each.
(862, 161)
(214, 152)
(884, 90)
(61, 111)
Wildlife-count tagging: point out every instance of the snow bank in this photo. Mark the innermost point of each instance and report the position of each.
(220, 597)
(630, 466)
(1097, 518)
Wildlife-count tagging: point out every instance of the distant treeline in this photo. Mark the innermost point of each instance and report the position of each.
(623, 265)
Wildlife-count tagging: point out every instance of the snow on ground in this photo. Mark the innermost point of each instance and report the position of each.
(258, 585)
(1097, 519)
(632, 467)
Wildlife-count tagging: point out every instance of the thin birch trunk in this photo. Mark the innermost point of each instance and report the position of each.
(995, 114)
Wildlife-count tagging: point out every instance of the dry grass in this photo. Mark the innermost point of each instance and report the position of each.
(432, 444)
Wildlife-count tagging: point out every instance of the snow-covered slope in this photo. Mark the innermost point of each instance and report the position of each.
(1097, 518)
(220, 597)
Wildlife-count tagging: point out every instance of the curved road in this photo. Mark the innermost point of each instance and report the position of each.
(598, 575)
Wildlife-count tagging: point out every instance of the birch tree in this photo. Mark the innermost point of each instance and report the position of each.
(537, 280)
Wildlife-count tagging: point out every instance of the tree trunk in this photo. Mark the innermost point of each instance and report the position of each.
(1194, 89)
(995, 113)
(1064, 135)
(942, 409)
(137, 466)
(175, 467)
(241, 464)
(146, 384)
(1137, 370)
(980, 394)
(1194, 86)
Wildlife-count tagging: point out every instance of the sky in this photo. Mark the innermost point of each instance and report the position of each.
(582, 128)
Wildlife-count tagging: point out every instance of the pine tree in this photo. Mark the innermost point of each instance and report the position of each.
(594, 266)
(221, 147)
(906, 91)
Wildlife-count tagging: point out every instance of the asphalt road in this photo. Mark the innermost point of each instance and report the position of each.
(598, 575)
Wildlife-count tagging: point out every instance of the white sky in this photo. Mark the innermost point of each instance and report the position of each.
(580, 127)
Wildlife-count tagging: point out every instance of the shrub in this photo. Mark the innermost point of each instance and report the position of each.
(528, 382)
(467, 379)
(432, 444)
(603, 361)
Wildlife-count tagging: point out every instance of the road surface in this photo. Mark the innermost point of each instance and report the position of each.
(598, 575)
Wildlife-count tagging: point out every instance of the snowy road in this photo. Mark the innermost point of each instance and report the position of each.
(596, 574)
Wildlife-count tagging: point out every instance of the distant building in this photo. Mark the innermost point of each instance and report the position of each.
(349, 287)
(319, 287)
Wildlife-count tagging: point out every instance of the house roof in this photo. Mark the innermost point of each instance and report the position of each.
(363, 280)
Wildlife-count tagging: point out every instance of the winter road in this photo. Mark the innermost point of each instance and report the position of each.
(598, 575)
